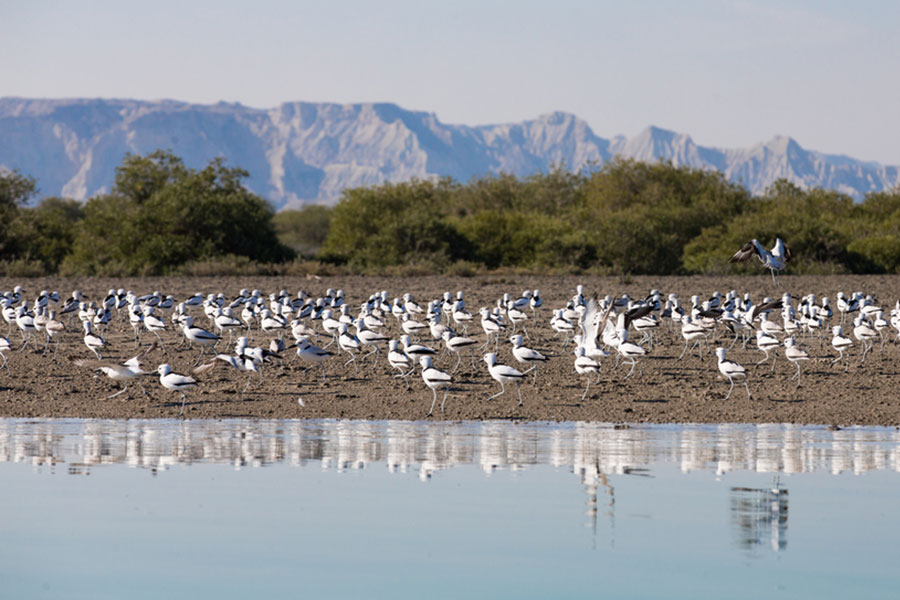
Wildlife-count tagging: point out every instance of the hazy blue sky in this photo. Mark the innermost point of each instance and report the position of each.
(730, 73)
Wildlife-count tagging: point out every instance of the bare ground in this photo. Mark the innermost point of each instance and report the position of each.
(667, 390)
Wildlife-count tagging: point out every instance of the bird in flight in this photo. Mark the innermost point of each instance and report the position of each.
(775, 259)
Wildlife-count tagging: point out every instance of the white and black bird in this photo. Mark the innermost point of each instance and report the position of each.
(310, 353)
(767, 343)
(796, 355)
(399, 360)
(775, 259)
(840, 342)
(416, 351)
(526, 355)
(198, 335)
(866, 335)
(503, 374)
(436, 380)
(370, 339)
(94, 342)
(174, 381)
(585, 365)
(456, 344)
(4, 348)
(732, 371)
(125, 372)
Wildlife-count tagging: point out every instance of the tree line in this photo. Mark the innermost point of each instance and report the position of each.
(624, 217)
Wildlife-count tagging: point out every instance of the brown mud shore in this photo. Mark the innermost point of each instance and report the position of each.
(667, 390)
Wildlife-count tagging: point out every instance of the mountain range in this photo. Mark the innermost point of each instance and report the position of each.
(301, 152)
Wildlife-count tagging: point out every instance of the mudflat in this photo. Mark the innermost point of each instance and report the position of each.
(663, 389)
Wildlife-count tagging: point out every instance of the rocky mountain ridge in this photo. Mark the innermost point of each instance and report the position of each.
(301, 152)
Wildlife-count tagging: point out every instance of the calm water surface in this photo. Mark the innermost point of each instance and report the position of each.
(352, 509)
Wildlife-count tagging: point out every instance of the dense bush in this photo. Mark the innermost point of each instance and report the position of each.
(162, 215)
(625, 217)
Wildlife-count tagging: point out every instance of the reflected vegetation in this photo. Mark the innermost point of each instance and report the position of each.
(589, 450)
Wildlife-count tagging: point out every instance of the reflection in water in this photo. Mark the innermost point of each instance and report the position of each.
(600, 455)
(590, 450)
(760, 515)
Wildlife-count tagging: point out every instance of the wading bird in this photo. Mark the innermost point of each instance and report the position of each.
(775, 259)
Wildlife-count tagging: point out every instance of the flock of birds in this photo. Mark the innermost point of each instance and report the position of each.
(320, 330)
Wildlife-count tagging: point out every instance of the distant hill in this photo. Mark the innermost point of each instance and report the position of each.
(301, 152)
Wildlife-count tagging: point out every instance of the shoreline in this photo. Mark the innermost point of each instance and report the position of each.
(668, 391)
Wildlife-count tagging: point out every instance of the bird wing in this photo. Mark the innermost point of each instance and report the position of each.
(434, 375)
(507, 371)
(746, 251)
(95, 365)
(637, 312)
(135, 362)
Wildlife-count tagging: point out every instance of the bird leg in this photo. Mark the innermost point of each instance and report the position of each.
(728, 395)
(502, 391)
(433, 401)
(122, 391)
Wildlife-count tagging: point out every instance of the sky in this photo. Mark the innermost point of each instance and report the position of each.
(731, 73)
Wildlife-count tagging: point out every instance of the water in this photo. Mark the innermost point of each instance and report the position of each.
(337, 509)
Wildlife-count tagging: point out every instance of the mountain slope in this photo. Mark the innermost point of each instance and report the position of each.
(303, 152)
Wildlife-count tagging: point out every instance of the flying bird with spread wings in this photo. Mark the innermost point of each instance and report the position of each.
(775, 259)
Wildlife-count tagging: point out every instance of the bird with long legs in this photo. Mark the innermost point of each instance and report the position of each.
(399, 360)
(310, 353)
(124, 372)
(4, 348)
(503, 374)
(560, 324)
(526, 355)
(54, 329)
(692, 332)
(436, 380)
(775, 259)
(767, 343)
(796, 355)
(840, 342)
(197, 335)
(585, 365)
(350, 344)
(864, 333)
(371, 339)
(456, 344)
(491, 327)
(176, 382)
(732, 370)
(25, 322)
(94, 342)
